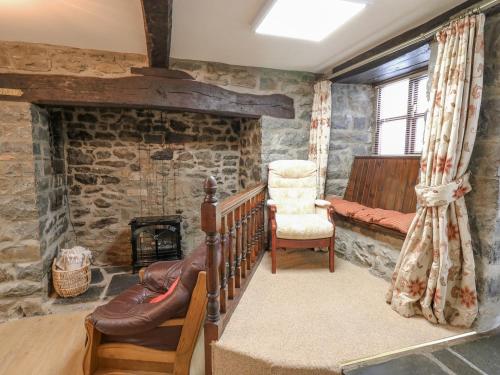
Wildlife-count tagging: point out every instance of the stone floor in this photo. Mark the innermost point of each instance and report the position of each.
(478, 357)
(106, 282)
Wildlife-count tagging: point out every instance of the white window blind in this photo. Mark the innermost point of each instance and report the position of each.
(401, 108)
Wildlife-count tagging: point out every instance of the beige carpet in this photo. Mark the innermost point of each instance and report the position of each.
(305, 320)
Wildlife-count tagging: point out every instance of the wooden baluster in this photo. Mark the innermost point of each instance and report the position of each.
(230, 248)
(263, 221)
(259, 234)
(254, 229)
(237, 225)
(223, 266)
(210, 224)
(244, 233)
(248, 210)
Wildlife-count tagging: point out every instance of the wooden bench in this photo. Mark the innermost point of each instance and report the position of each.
(380, 193)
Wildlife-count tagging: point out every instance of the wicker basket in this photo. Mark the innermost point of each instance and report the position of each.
(71, 283)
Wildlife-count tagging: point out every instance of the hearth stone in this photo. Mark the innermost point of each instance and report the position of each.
(121, 282)
(92, 294)
(117, 269)
(96, 276)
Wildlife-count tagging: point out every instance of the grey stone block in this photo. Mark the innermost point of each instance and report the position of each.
(483, 353)
(454, 363)
(414, 364)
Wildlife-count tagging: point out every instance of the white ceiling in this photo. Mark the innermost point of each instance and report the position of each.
(211, 30)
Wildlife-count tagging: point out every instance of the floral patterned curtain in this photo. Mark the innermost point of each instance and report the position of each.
(435, 275)
(319, 137)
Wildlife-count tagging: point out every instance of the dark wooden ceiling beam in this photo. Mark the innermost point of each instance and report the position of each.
(158, 28)
(160, 72)
(375, 72)
(141, 92)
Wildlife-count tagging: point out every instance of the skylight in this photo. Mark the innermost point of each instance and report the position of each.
(311, 20)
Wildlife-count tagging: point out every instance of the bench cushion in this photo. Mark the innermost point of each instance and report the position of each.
(400, 222)
(386, 218)
(345, 207)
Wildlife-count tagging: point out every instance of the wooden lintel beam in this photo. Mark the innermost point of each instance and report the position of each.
(160, 72)
(141, 92)
(158, 28)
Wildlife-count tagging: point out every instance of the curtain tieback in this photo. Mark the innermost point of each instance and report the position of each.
(443, 195)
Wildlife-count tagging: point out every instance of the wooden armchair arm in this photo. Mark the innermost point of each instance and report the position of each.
(322, 203)
(325, 205)
(271, 208)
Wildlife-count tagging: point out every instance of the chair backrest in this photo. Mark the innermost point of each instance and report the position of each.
(292, 185)
(192, 326)
(386, 182)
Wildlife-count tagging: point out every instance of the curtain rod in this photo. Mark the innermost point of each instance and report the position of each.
(487, 4)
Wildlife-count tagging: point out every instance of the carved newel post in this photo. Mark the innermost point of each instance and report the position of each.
(210, 224)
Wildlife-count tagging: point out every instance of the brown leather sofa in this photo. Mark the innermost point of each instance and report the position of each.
(130, 320)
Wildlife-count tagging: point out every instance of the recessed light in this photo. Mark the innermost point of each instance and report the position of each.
(311, 20)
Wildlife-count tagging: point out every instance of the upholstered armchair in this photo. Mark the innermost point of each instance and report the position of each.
(296, 218)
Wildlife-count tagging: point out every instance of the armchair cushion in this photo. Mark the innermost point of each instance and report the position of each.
(303, 227)
(292, 185)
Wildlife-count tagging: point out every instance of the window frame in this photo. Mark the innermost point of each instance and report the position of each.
(411, 117)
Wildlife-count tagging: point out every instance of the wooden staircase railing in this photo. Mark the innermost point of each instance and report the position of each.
(235, 237)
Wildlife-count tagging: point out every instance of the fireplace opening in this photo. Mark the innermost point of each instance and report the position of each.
(107, 169)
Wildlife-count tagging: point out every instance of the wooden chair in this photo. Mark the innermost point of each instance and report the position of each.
(296, 218)
(124, 356)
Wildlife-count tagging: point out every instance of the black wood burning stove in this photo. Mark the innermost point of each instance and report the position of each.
(155, 238)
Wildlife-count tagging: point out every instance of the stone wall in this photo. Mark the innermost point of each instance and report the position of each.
(250, 153)
(51, 194)
(353, 121)
(281, 138)
(21, 287)
(124, 163)
(20, 57)
(484, 201)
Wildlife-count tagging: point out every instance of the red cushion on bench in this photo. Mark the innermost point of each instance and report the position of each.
(374, 215)
(345, 208)
(400, 222)
(386, 218)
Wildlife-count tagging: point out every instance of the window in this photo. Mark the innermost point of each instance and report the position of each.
(401, 108)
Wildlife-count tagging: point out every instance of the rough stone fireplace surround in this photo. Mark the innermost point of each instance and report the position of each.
(125, 163)
(96, 169)
(26, 248)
